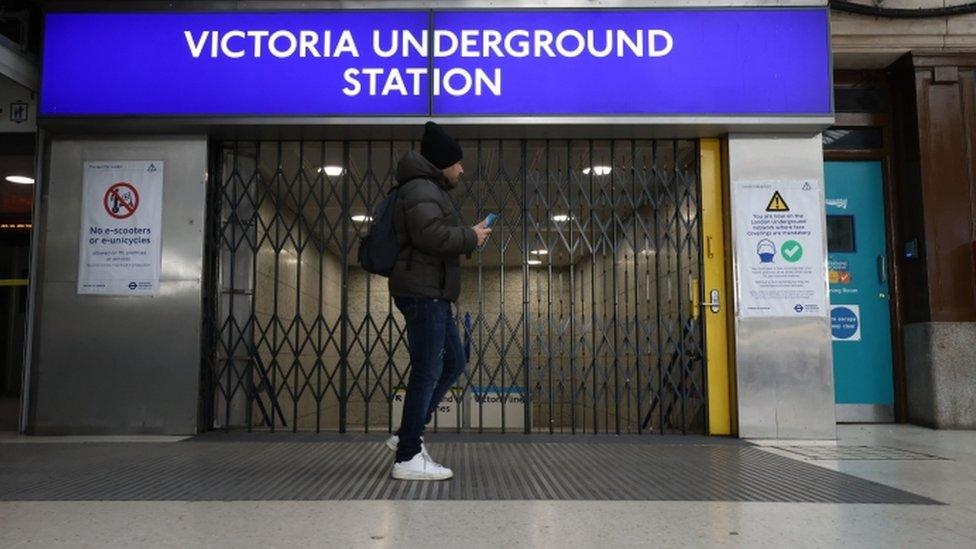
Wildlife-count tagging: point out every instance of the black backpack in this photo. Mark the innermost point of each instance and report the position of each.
(378, 249)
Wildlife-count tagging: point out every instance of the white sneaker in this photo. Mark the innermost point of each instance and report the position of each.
(421, 467)
(393, 441)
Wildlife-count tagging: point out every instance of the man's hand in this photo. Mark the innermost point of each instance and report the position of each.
(482, 232)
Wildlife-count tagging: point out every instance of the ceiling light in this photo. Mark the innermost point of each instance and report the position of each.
(20, 179)
(560, 218)
(597, 170)
(332, 171)
(361, 218)
(540, 252)
(534, 262)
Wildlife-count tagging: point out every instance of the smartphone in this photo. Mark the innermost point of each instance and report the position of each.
(490, 220)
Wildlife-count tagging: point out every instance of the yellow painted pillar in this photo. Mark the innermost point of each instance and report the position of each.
(716, 263)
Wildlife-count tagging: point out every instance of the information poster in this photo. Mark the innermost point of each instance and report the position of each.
(779, 234)
(121, 228)
(845, 322)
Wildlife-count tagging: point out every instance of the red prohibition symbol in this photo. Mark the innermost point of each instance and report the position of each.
(121, 200)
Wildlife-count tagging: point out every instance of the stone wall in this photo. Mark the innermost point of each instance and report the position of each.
(864, 42)
(940, 369)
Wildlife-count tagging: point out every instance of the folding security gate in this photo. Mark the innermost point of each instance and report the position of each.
(580, 312)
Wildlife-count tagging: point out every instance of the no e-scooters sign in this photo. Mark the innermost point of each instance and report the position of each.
(121, 228)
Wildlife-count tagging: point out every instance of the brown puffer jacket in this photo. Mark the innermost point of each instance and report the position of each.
(430, 235)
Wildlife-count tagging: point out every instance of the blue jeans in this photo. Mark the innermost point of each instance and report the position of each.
(436, 361)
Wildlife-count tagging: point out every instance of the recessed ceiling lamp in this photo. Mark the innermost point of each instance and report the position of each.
(597, 170)
(332, 171)
(540, 252)
(361, 218)
(534, 262)
(560, 218)
(20, 179)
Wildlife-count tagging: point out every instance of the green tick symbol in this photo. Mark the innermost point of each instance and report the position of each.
(792, 251)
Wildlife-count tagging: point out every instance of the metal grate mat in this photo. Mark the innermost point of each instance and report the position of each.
(336, 470)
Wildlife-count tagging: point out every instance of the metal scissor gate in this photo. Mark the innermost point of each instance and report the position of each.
(580, 312)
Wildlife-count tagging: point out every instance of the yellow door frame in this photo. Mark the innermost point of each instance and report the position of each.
(716, 258)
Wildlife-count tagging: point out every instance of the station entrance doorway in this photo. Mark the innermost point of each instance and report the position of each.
(580, 313)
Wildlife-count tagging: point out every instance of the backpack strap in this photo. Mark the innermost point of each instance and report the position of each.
(409, 247)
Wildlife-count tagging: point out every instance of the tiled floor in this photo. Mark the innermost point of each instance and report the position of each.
(602, 524)
(835, 452)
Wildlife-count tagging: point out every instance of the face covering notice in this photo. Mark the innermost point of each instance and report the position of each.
(779, 235)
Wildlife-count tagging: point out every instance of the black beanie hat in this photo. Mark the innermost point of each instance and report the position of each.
(438, 147)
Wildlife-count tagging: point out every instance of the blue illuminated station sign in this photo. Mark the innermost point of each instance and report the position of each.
(701, 63)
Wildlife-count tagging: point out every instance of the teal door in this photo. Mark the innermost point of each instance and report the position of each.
(860, 315)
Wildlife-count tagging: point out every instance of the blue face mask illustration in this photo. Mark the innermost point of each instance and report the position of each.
(766, 250)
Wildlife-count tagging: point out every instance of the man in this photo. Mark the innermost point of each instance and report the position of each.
(425, 283)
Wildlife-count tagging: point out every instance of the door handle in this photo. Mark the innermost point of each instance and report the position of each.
(715, 304)
(882, 270)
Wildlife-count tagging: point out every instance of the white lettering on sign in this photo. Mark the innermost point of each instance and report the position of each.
(281, 44)
(456, 82)
(469, 43)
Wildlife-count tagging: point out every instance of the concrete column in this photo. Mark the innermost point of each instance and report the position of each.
(784, 367)
(119, 365)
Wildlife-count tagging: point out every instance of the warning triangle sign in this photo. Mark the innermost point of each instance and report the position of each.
(777, 204)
